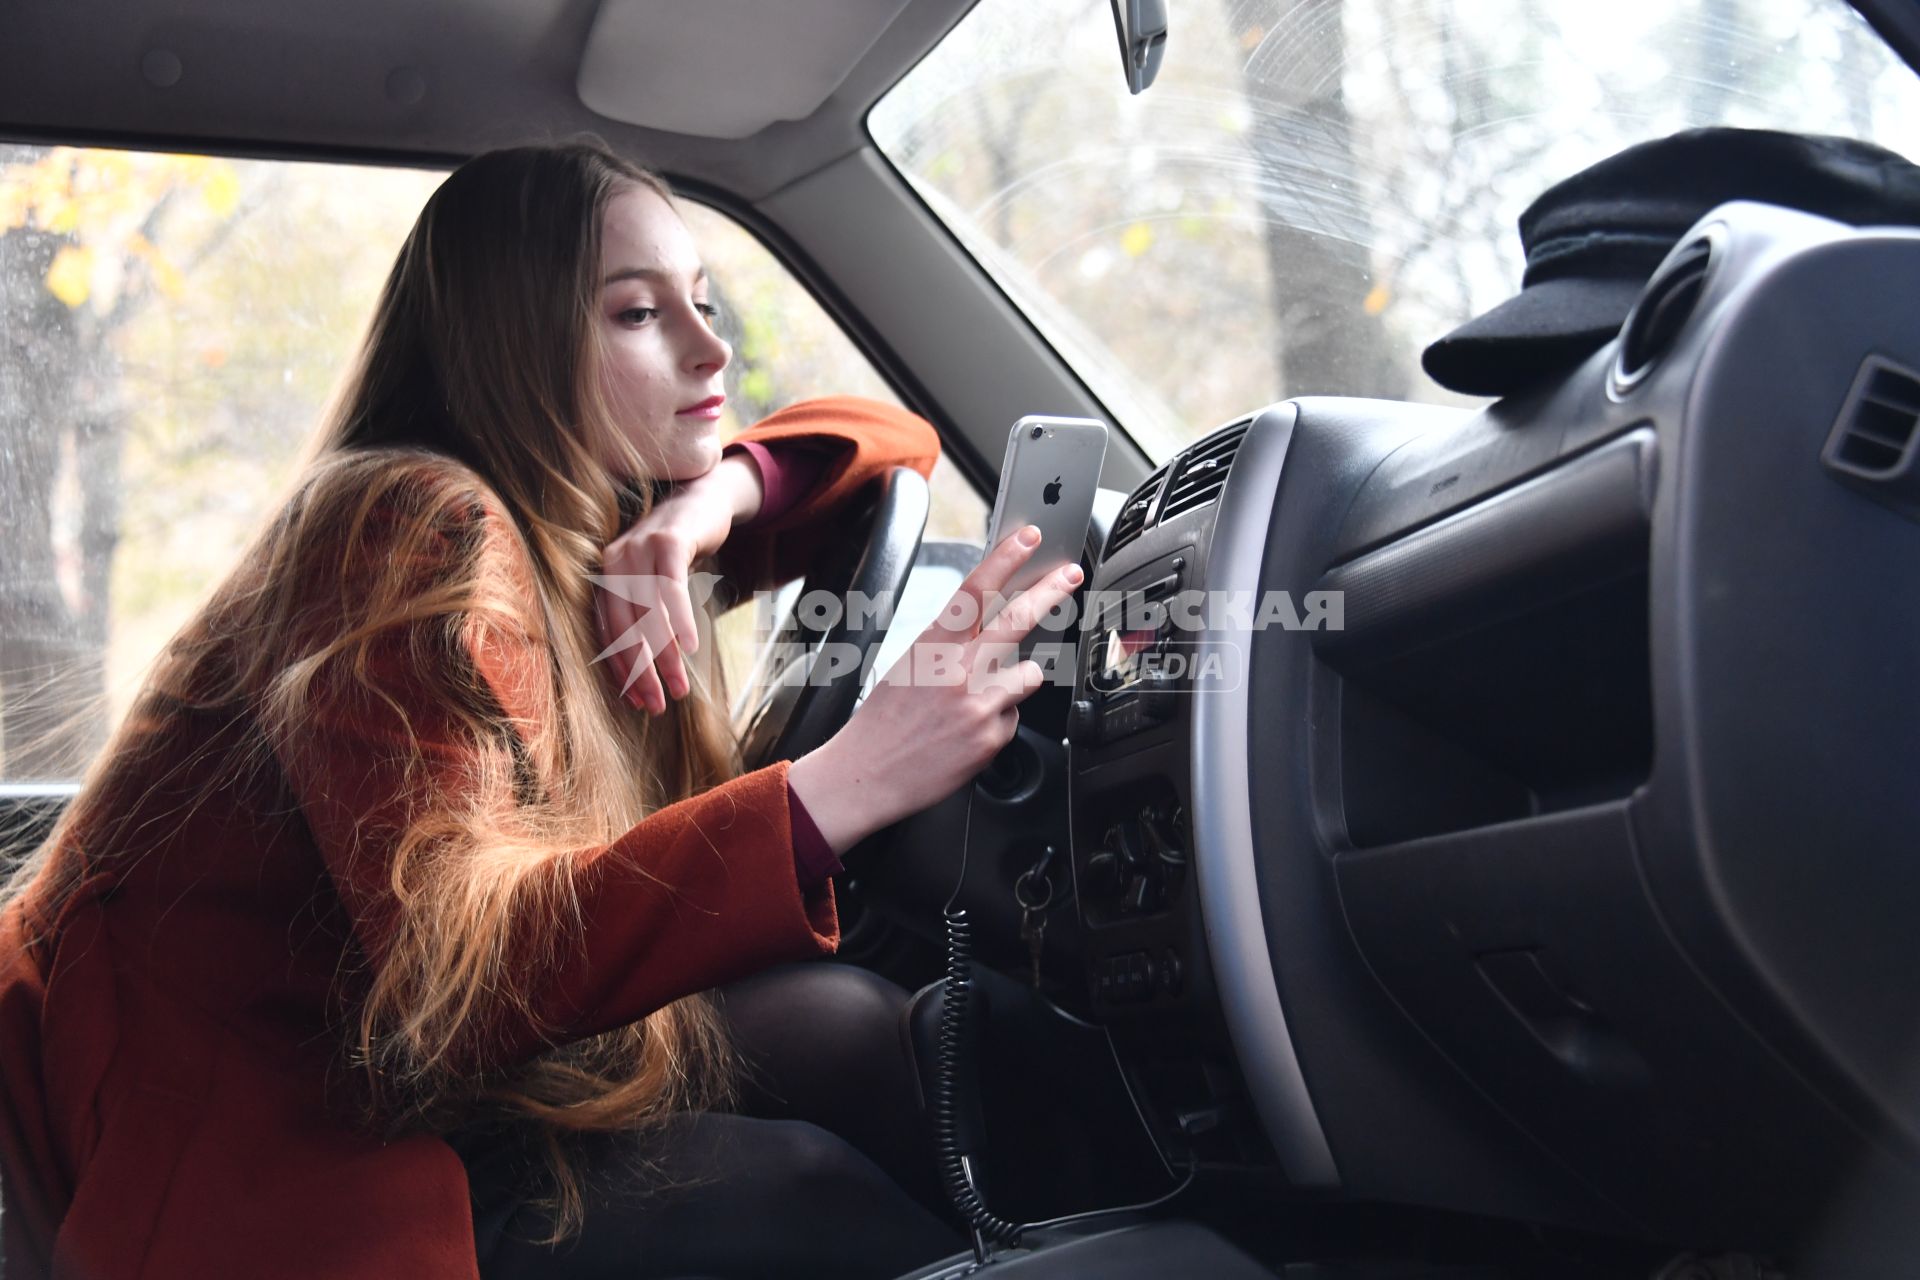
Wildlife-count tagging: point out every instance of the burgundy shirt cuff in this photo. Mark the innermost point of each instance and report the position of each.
(814, 861)
(786, 476)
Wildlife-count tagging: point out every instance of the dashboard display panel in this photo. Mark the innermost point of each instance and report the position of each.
(1125, 656)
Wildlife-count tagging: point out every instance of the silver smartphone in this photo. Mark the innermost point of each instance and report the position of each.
(1048, 478)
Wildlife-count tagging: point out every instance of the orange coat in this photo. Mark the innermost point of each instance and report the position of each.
(164, 1056)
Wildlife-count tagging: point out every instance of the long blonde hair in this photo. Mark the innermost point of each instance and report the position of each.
(462, 467)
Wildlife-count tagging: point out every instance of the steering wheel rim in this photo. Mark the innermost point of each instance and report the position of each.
(798, 712)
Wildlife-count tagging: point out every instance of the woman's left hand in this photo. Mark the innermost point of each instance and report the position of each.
(647, 622)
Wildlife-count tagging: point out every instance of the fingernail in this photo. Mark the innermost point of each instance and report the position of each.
(1030, 535)
(679, 686)
(1074, 574)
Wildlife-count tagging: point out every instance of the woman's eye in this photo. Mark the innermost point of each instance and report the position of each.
(639, 315)
(708, 310)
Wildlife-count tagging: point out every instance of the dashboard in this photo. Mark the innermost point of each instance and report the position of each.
(1537, 838)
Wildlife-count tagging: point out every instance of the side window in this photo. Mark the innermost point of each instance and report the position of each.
(787, 348)
(169, 328)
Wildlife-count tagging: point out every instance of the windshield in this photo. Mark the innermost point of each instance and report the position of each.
(1313, 190)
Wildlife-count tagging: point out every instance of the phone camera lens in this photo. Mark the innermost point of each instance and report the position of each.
(1037, 432)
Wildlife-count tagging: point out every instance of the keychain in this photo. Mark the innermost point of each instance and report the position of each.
(1034, 892)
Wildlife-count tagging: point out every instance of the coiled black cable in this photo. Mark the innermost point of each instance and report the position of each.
(953, 1057)
(954, 1063)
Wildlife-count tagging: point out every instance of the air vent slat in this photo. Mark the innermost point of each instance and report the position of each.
(1887, 423)
(1215, 448)
(1132, 520)
(1202, 472)
(1868, 454)
(1895, 391)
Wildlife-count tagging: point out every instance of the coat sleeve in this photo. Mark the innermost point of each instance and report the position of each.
(698, 894)
(861, 440)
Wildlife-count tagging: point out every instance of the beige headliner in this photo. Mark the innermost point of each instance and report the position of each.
(451, 77)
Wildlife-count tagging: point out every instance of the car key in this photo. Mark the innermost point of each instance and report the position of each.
(1033, 931)
(1034, 892)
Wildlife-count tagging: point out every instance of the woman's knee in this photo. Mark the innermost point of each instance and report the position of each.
(816, 1020)
(814, 999)
(817, 1164)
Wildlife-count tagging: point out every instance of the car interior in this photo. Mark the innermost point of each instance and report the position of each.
(1534, 895)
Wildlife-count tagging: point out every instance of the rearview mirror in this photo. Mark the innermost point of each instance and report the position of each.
(1142, 25)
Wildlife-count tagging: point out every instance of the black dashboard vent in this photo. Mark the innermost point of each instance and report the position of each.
(1874, 445)
(1132, 520)
(1875, 435)
(1663, 310)
(1203, 471)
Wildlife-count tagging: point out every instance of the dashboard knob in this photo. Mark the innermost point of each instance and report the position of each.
(1130, 842)
(1142, 894)
(1103, 875)
(1163, 835)
(1083, 723)
(1172, 975)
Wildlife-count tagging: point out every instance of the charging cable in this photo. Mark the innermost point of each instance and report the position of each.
(954, 1065)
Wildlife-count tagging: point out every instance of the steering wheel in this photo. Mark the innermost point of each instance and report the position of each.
(807, 699)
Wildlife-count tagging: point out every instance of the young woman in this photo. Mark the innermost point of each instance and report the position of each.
(385, 854)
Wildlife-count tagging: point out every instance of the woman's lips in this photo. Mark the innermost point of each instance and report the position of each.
(708, 408)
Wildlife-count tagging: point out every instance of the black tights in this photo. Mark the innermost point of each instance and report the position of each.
(829, 1171)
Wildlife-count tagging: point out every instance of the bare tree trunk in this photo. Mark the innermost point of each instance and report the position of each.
(97, 439)
(50, 659)
(1318, 255)
(1000, 137)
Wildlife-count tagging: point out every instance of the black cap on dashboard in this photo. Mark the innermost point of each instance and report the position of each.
(1593, 239)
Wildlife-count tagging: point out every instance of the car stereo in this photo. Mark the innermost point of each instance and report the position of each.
(1132, 655)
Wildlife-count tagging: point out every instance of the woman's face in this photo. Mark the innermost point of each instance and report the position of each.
(661, 372)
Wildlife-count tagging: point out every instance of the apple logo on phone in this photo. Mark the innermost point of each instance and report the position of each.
(1051, 494)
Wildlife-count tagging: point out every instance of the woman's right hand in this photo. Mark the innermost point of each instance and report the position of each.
(941, 713)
